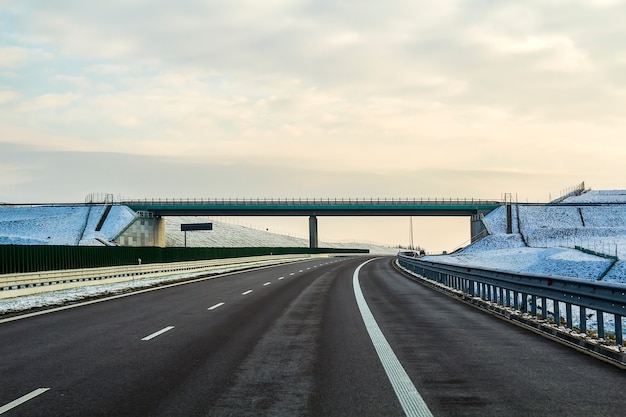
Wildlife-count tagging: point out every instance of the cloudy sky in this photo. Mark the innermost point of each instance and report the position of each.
(281, 98)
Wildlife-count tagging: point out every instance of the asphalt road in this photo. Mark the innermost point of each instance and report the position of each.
(292, 340)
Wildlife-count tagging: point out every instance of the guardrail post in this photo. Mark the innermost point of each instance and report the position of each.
(557, 312)
(600, 320)
(533, 305)
(619, 331)
(568, 315)
(583, 320)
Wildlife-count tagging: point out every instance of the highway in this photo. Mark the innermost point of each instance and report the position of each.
(295, 340)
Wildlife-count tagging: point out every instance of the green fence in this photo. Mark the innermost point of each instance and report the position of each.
(22, 258)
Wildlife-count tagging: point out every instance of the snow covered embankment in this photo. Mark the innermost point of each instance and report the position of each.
(544, 238)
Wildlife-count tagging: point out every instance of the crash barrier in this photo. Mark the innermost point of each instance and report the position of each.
(554, 299)
(33, 258)
(13, 285)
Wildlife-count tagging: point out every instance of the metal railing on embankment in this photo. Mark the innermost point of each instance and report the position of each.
(13, 285)
(567, 302)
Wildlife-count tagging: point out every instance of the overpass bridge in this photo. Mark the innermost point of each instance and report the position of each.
(315, 207)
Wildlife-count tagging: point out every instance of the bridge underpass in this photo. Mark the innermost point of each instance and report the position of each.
(312, 208)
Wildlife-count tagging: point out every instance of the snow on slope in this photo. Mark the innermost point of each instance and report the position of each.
(599, 196)
(545, 244)
(60, 225)
(230, 235)
(75, 225)
(548, 237)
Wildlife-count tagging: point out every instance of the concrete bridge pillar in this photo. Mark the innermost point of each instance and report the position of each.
(145, 230)
(313, 239)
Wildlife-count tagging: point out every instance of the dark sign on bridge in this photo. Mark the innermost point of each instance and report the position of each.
(187, 227)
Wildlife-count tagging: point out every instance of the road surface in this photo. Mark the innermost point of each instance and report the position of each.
(294, 340)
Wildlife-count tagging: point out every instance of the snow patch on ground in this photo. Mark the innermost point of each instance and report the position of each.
(545, 238)
(60, 225)
(76, 225)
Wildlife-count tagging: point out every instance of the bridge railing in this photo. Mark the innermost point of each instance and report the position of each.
(309, 201)
(566, 302)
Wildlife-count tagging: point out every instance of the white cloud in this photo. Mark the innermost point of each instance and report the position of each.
(109, 69)
(552, 52)
(17, 56)
(11, 57)
(442, 85)
(7, 96)
(604, 3)
(48, 101)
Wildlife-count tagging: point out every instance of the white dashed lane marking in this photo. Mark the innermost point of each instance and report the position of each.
(246, 292)
(22, 400)
(160, 332)
(215, 306)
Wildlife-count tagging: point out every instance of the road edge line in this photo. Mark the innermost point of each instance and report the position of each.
(410, 399)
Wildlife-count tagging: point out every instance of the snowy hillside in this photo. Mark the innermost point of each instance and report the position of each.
(76, 225)
(230, 235)
(60, 225)
(544, 238)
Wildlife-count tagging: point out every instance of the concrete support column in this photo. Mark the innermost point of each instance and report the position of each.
(159, 232)
(313, 239)
(145, 230)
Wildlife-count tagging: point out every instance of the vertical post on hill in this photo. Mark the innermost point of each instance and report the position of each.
(509, 213)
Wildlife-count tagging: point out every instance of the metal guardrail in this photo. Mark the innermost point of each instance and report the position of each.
(309, 201)
(41, 281)
(531, 293)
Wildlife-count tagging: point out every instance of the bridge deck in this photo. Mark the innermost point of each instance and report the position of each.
(314, 207)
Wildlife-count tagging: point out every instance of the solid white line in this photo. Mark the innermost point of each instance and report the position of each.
(215, 306)
(412, 402)
(159, 333)
(246, 293)
(22, 400)
(266, 284)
